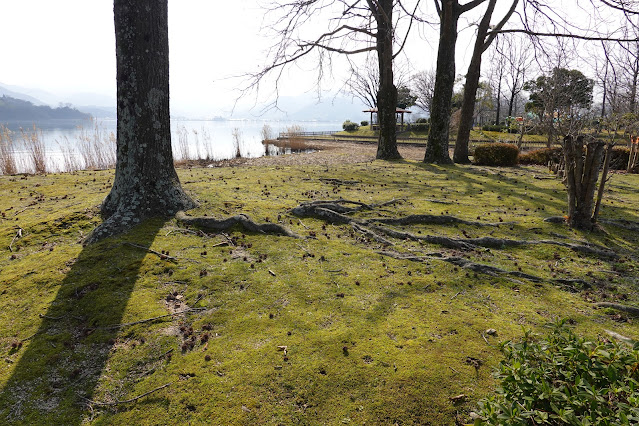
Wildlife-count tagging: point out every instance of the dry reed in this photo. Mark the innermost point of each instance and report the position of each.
(183, 144)
(34, 144)
(238, 142)
(97, 148)
(7, 152)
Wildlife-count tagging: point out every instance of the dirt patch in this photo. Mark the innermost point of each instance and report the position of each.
(329, 152)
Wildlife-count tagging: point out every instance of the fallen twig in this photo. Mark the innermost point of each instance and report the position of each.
(18, 235)
(91, 402)
(116, 326)
(161, 255)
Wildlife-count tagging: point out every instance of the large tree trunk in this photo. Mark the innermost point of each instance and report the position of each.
(146, 183)
(437, 145)
(387, 95)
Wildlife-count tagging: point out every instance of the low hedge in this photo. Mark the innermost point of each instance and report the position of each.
(496, 154)
(541, 156)
(618, 161)
(349, 126)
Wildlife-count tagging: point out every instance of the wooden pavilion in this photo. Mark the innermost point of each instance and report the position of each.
(399, 116)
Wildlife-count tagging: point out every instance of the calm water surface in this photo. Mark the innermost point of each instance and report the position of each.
(197, 139)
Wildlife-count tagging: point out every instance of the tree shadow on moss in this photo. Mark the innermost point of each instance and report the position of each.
(60, 365)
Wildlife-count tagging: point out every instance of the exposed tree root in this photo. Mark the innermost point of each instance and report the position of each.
(482, 268)
(624, 224)
(430, 219)
(210, 224)
(624, 308)
(462, 263)
(335, 212)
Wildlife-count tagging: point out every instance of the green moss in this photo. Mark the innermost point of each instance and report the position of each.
(369, 339)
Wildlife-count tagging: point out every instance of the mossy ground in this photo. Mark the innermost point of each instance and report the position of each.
(369, 339)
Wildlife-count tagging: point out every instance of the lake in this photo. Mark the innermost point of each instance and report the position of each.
(71, 144)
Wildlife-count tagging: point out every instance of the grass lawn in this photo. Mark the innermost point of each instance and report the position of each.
(167, 325)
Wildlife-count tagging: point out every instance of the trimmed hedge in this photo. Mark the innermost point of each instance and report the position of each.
(420, 127)
(619, 160)
(496, 154)
(364, 123)
(349, 126)
(541, 156)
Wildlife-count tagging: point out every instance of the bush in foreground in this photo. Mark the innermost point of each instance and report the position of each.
(496, 154)
(564, 379)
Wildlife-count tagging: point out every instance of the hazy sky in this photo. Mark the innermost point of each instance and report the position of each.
(68, 46)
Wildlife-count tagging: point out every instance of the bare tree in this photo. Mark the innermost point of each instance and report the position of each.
(482, 42)
(363, 81)
(423, 86)
(354, 27)
(146, 183)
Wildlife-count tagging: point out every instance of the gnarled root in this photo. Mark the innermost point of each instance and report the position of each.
(215, 225)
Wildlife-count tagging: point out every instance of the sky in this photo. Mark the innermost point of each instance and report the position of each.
(68, 46)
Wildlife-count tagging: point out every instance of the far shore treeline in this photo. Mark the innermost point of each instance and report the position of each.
(18, 109)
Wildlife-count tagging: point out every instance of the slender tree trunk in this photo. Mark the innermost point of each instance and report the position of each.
(633, 88)
(470, 89)
(511, 103)
(146, 183)
(437, 145)
(387, 95)
(498, 103)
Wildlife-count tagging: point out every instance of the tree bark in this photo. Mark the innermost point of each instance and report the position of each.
(437, 145)
(582, 170)
(387, 95)
(460, 154)
(146, 183)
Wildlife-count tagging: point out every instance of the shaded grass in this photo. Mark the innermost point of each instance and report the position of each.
(370, 339)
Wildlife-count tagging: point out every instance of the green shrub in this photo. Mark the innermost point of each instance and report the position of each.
(349, 126)
(564, 379)
(620, 158)
(420, 127)
(364, 123)
(493, 128)
(541, 156)
(496, 154)
(423, 120)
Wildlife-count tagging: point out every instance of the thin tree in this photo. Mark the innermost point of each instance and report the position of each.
(355, 27)
(423, 86)
(482, 42)
(146, 183)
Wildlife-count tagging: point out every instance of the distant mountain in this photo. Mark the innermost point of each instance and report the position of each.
(17, 95)
(18, 109)
(99, 106)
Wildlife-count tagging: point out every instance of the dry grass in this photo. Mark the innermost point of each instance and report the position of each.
(182, 146)
(97, 148)
(238, 142)
(34, 144)
(7, 153)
